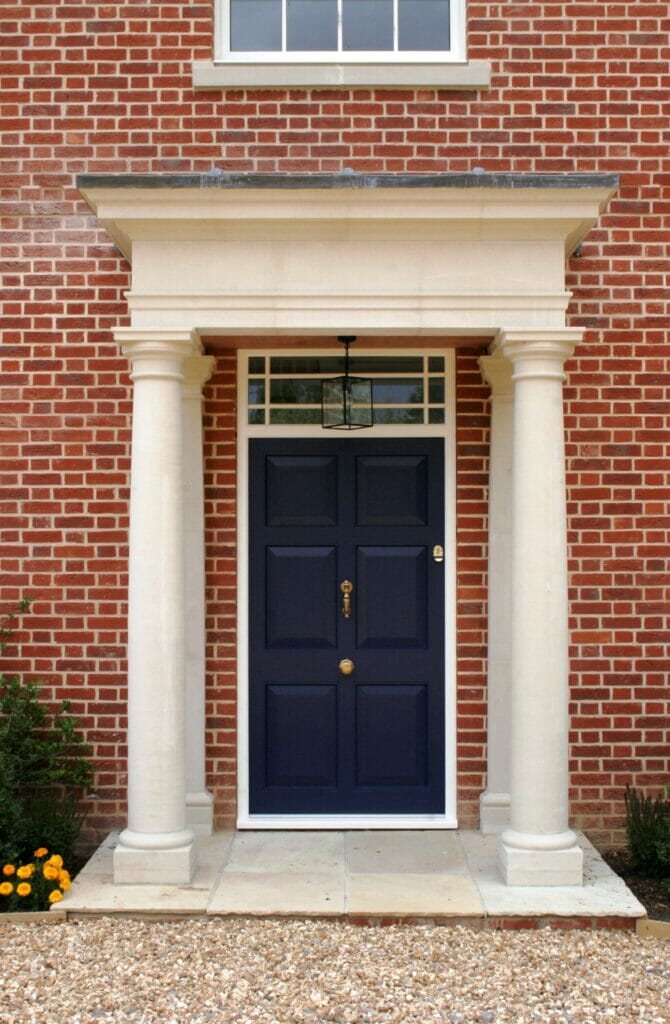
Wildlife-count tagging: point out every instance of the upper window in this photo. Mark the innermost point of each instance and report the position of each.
(324, 30)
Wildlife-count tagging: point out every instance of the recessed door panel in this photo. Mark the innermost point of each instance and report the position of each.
(301, 733)
(391, 490)
(392, 596)
(346, 692)
(300, 596)
(391, 735)
(301, 490)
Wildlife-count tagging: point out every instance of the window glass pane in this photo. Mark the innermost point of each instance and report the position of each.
(334, 365)
(397, 392)
(311, 25)
(256, 364)
(367, 25)
(436, 389)
(255, 24)
(256, 416)
(295, 392)
(295, 415)
(398, 415)
(306, 364)
(256, 392)
(436, 415)
(423, 24)
(387, 364)
(436, 364)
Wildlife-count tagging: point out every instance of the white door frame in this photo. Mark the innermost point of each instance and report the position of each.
(447, 431)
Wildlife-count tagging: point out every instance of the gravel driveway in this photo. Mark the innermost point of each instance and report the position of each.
(271, 971)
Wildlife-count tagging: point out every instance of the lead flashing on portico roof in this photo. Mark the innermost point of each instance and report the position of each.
(218, 179)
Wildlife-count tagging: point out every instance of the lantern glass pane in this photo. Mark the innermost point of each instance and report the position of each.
(332, 400)
(360, 402)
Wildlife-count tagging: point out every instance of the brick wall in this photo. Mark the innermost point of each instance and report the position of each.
(106, 87)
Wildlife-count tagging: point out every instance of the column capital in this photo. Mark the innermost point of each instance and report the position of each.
(156, 352)
(196, 371)
(497, 372)
(539, 353)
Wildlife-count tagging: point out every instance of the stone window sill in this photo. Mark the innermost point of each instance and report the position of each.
(389, 75)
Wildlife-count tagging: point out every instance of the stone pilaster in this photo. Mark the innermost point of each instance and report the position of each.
(199, 801)
(494, 803)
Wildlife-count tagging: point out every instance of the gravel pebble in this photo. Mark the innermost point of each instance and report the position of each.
(274, 972)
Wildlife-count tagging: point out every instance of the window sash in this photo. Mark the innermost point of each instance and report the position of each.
(456, 53)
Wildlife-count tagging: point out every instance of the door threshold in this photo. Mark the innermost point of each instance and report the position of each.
(351, 821)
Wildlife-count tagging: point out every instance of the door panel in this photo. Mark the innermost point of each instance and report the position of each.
(392, 597)
(391, 490)
(300, 597)
(301, 491)
(301, 735)
(368, 511)
(391, 735)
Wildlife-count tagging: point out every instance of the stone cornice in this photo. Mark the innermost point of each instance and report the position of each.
(221, 180)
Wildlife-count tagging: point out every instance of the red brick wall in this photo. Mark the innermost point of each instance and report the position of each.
(106, 87)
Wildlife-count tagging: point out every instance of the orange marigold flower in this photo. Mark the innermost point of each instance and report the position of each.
(63, 874)
(56, 896)
(25, 871)
(8, 869)
(56, 860)
(65, 884)
(41, 851)
(6, 888)
(24, 889)
(50, 872)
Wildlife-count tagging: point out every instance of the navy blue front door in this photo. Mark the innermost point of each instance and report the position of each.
(323, 512)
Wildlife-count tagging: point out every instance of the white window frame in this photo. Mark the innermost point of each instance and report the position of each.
(245, 431)
(455, 55)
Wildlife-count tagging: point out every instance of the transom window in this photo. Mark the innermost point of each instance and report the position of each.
(287, 389)
(324, 29)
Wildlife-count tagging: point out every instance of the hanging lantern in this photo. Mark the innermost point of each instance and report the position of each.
(346, 402)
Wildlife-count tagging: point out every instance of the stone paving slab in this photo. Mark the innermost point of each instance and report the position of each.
(266, 893)
(602, 894)
(287, 851)
(400, 852)
(93, 890)
(408, 895)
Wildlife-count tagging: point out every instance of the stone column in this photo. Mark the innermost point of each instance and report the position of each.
(539, 848)
(157, 846)
(494, 803)
(199, 801)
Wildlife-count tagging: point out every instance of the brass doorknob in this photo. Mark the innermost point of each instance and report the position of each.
(346, 666)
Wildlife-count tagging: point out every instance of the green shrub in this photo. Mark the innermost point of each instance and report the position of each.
(648, 832)
(44, 769)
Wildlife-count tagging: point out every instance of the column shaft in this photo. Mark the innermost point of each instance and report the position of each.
(539, 848)
(156, 846)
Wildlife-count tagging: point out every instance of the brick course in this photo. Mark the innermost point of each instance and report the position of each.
(105, 87)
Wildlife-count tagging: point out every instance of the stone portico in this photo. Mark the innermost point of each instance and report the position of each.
(456, 257)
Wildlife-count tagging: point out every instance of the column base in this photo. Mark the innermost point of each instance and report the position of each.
(149, 865)
(540, 866)
(200, 812)
(494, 813)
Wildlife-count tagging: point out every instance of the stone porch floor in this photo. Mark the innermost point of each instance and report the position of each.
(450, 877)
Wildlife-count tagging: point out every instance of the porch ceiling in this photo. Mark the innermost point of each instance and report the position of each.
(463, 254)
